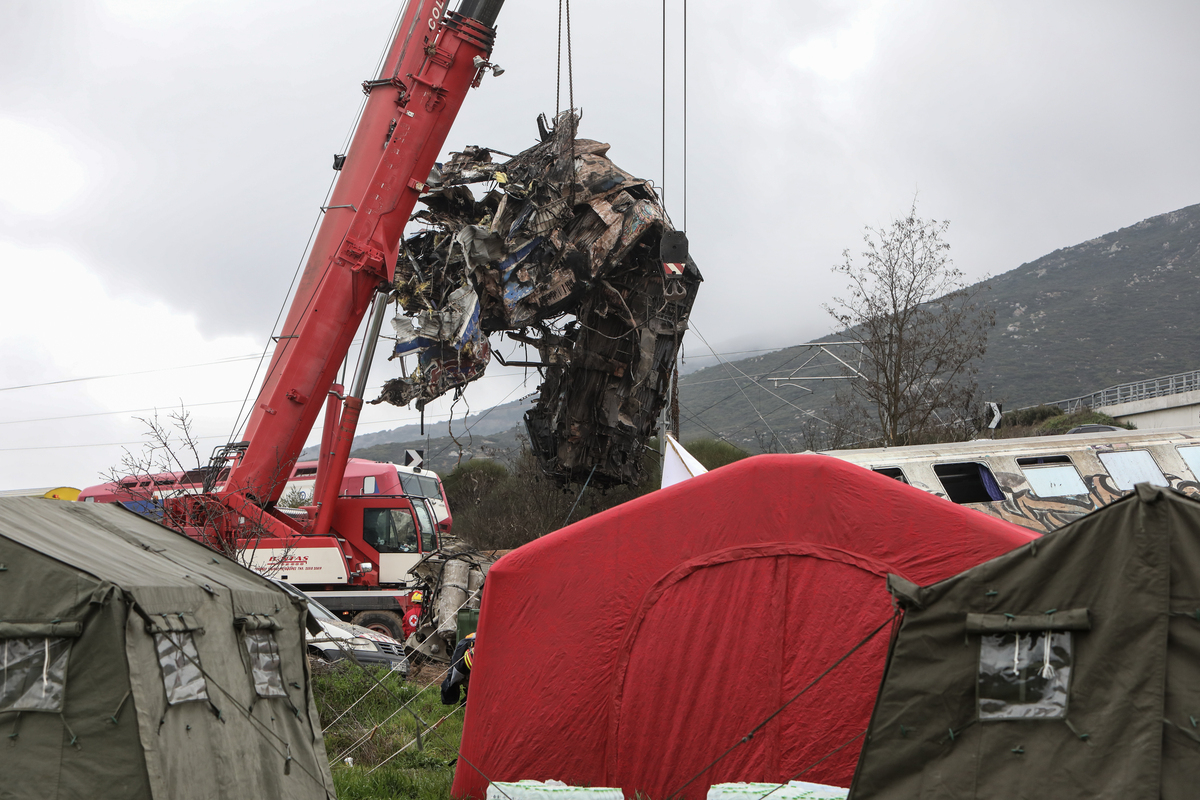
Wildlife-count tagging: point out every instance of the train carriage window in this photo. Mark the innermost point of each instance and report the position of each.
(1129, 467)
(1052, 476)
(891, 472)
(411, 484)
(430, 487)
(1037, 461)
(1191, 457)
(968, 482)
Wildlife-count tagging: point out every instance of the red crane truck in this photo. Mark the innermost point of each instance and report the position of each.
(346, 544)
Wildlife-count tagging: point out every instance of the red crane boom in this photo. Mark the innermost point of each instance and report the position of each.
(436, 57)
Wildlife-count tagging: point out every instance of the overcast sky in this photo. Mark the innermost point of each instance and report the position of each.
(163, 163)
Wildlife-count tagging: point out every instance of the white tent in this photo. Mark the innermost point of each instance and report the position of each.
(678, 463)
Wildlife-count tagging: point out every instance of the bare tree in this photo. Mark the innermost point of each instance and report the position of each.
(146, 476)
(923, 332)
(159, 472)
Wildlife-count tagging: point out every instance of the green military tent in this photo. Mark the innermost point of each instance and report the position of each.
(1067, 668)
(140, 664)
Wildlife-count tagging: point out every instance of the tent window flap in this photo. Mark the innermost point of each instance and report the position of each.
(257, 622)
(27, 630)
(182, 678)
(1071, 619)
(178, 622)
(34, 673)
(264, 663)
(1024, 675)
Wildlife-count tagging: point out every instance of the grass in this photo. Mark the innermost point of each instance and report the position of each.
(1051, 420)
(368, 731)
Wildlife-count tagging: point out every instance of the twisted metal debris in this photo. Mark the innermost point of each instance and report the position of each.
(571, 255)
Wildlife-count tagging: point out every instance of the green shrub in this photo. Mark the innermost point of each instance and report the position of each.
(1030, 416)
(472, 480)
(499, 509)
(1064, 423)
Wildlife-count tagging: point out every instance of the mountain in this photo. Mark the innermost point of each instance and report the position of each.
(437, 435)
(1121, 307)
(444, 453)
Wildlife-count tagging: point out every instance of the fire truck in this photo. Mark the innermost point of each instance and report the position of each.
(347, 548)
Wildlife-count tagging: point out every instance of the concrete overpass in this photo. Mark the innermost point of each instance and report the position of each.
(1171, 401)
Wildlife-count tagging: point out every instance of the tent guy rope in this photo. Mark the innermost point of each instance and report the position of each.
(794, 697)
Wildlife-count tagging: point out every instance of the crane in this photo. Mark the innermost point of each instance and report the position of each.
(437, 55)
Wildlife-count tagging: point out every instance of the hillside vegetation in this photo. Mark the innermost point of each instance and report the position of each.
(1118, 308)
(1121, 307)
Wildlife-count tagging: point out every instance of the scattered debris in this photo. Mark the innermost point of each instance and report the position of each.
(453, 578)
(570, 255)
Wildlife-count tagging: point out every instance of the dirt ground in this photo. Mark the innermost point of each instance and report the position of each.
(426, 673)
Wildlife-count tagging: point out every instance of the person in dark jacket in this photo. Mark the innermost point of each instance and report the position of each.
(460, 671)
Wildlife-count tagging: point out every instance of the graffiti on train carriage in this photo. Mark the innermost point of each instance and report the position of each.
(1044, 482)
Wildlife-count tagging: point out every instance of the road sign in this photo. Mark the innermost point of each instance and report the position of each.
(414, 458)
(995, 408)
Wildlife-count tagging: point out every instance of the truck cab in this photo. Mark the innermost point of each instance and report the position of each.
(396, 532)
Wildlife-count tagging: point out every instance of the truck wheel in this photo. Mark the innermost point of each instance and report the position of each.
(386, 622)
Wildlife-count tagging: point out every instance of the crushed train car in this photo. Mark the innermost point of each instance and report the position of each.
(568, 254)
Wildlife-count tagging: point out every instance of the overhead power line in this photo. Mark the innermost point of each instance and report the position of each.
(111, 413)
(186, 406)
(230, 360)
(218, 362)
(98, 444)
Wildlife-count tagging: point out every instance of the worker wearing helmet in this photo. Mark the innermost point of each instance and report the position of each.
(460, 671)
(412, 616)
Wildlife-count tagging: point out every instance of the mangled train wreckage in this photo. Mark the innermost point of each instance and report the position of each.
(570, 255)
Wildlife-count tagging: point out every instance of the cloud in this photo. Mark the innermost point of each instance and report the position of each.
(61, 321)
(207, 130)
(842, 53)
(39, 173)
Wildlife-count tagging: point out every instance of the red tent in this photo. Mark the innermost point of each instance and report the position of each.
(634, 647)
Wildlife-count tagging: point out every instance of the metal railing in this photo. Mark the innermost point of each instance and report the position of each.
(1136, 390)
